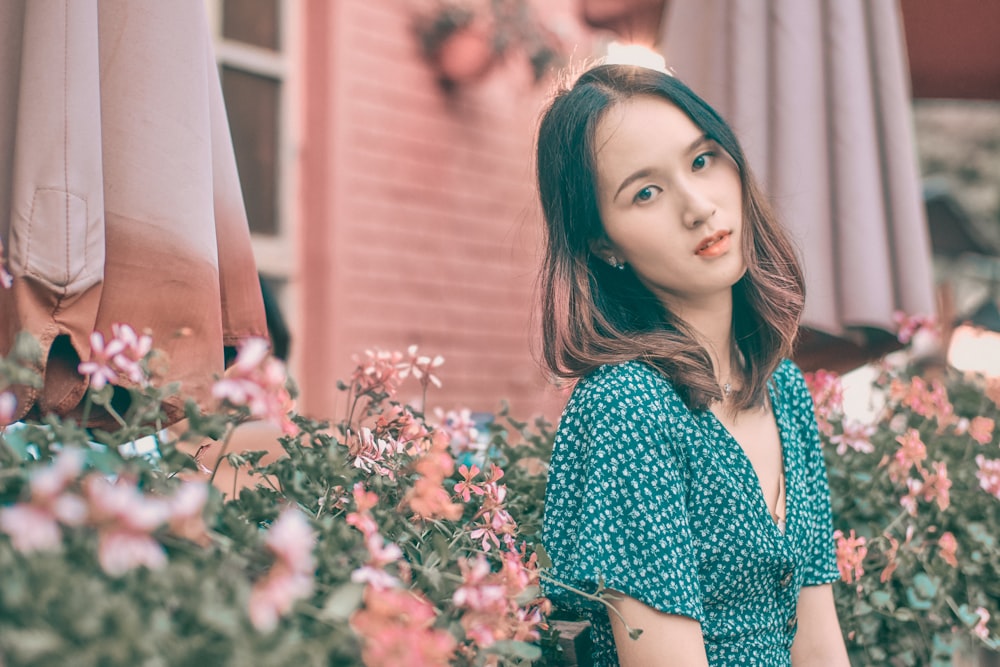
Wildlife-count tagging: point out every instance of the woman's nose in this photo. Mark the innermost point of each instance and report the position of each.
(698, 207)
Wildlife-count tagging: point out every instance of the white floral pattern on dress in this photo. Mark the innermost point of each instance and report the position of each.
(662, 504)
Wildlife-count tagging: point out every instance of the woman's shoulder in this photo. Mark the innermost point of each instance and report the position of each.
(789, 375)
(629, 382)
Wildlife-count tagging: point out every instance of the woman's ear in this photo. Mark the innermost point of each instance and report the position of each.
(603, 250)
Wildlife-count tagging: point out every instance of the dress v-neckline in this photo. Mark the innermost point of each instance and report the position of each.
(751, 481)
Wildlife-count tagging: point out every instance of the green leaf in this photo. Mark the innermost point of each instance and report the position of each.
(544, 561)
(522, 650)
(342, 602)
(14, 439)
(881, 599)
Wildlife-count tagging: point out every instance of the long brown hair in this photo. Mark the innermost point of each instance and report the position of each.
(593, 314)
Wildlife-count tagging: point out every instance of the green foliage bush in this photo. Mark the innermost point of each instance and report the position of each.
(916, 499)
(355, 546)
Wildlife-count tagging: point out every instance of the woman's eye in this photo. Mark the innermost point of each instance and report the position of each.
(702, 161)
(645, 194)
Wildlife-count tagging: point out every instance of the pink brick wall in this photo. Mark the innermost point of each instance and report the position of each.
(418, 222)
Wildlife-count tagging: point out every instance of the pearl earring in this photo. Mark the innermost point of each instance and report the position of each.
(613, 262)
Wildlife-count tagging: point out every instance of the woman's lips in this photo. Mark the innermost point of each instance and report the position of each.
(715, 245)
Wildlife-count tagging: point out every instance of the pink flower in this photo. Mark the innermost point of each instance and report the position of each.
(134, 350)
(980, 630)
(274, 595)
(948, 549)
(185, 509)
(909, 325)
(120, 505)
(101, 368)
(291, 540)
(31, 528)
(47, 483)
(937, 485)
(420, 367)
(120, 550)
(377, 372)
(465, 487)
(369, 452)
(981, 430)
(827, 392)
(851, 552)
(856, 436)
(479, 591)
(257, 381)
(989, 475)
(6, 280)
(892, 562)
(396, 628)
(460, 427)
(911, 452)
(8, 408)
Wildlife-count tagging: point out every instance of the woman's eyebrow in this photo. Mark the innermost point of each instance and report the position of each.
(642, 173)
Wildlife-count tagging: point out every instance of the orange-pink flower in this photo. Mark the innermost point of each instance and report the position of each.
(948, 549)
(851, 552)
(981, 430)
(396, 628)
(912, 452)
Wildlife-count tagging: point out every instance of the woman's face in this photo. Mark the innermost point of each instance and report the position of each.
(671, 203)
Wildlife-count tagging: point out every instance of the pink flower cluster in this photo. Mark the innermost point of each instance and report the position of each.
(910, 325)
(125, 519)
(290, 540)
(122, 356)
(495, 525)
(398, 628)
(257, 381)
(927, 400)
(491, 600)
(427, 498)
(979, 429)
(851, 552)
(932, 485)
(988, 475)
(378, 372)
(460, 427)
(828, 397)
(372, 453)
(380, 554)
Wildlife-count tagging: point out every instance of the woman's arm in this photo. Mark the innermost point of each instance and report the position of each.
(819, 641)
(666, 639)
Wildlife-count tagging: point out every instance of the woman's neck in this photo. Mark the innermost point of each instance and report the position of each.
(712, 324)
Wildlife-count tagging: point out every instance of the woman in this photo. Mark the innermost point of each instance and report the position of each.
(687, 477)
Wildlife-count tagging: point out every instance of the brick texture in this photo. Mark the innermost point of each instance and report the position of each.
(418, 222)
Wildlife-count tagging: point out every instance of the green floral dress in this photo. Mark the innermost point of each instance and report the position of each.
(662, 504)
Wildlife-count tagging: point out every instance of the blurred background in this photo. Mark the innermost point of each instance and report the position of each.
(385, 153)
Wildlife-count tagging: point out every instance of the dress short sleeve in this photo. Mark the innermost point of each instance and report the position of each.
(819, 550)
(616, 501)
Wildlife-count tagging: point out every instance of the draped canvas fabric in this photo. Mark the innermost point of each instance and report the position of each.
(119, 196)
(818, 94)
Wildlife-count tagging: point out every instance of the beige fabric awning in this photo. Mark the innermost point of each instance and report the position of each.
(818, 92)
(119, 197)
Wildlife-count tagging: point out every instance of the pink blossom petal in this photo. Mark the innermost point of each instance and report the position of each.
(31, 528)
